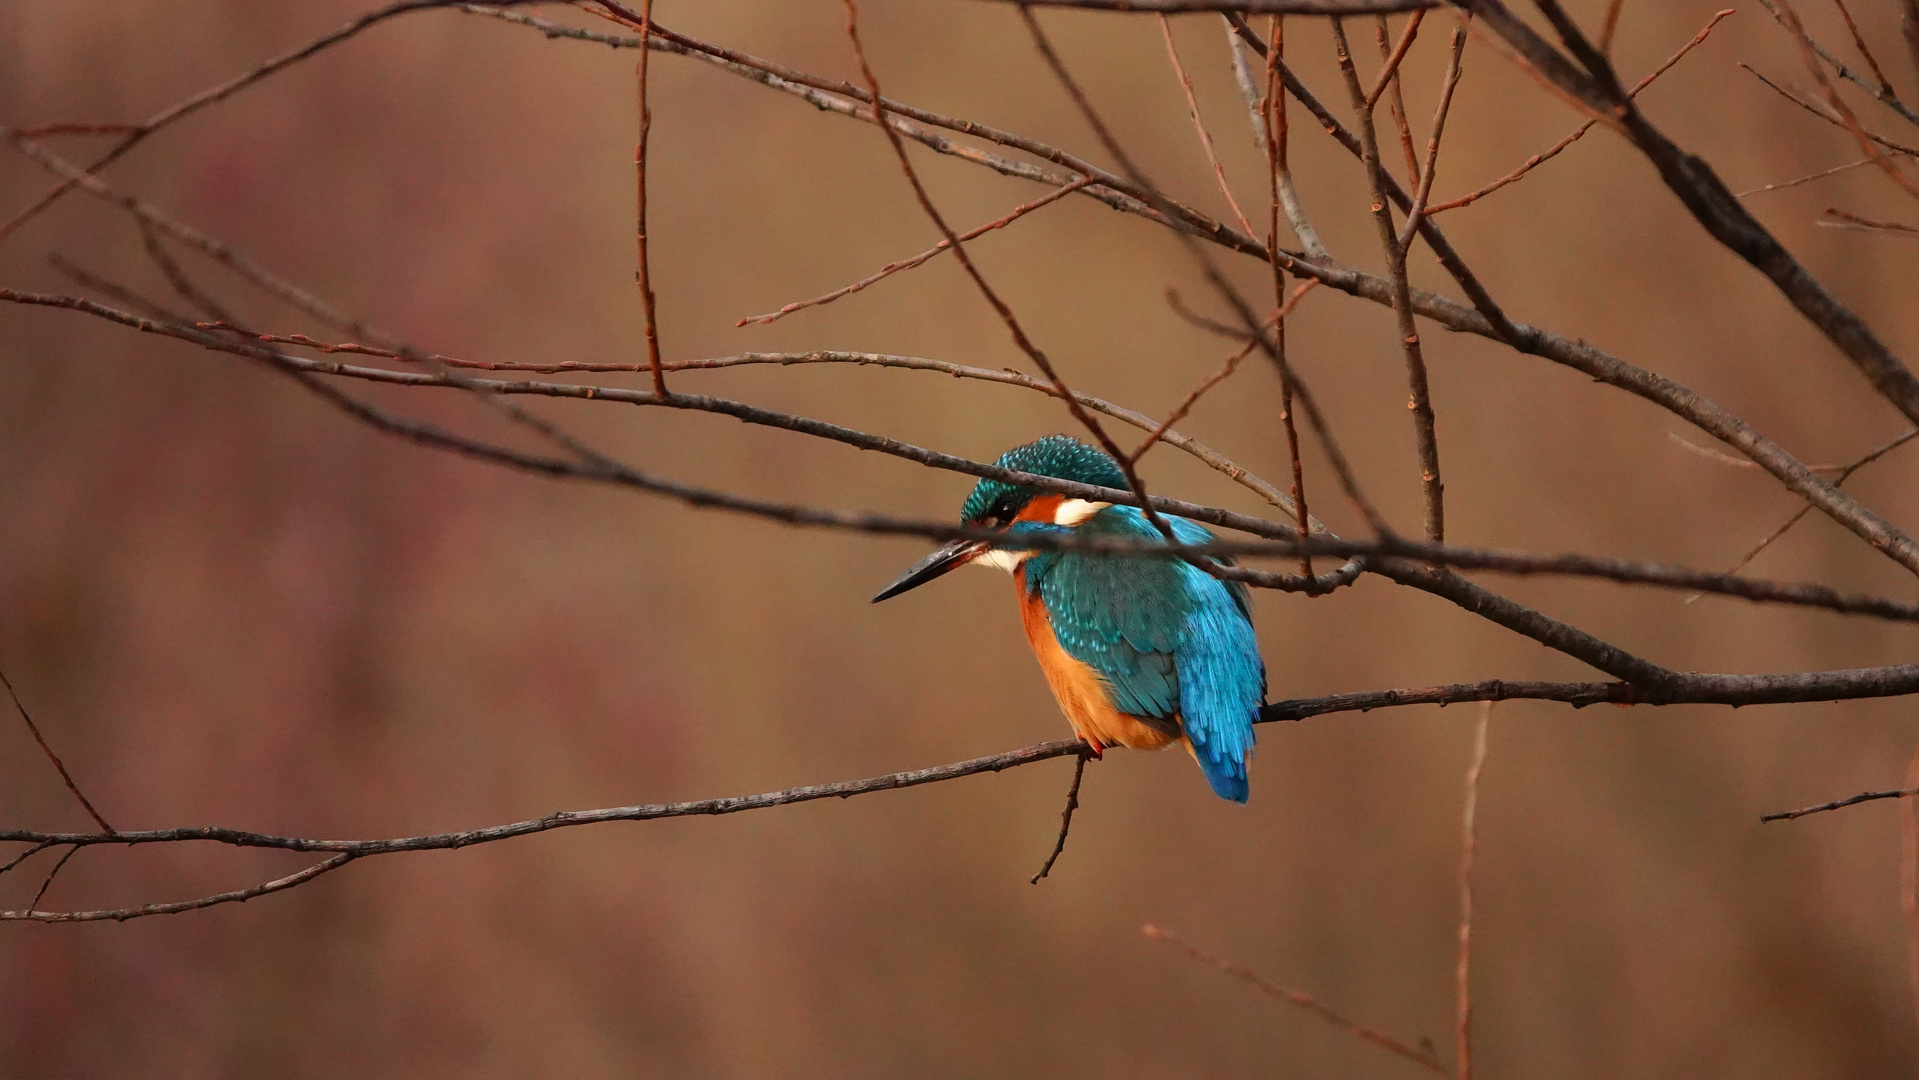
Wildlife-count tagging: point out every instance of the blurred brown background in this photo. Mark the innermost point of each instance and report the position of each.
(227, 603)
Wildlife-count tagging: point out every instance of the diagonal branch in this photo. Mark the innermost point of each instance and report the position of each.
(58, 765)
(907, 264)
(137, 133)
(1299, 1000)
(1420, 403)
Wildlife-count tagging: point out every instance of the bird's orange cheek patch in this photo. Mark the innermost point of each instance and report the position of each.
(1041, 508)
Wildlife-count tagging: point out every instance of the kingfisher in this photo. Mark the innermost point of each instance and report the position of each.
(1140, 651)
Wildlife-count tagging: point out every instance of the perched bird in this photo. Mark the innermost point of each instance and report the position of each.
(1140, 651)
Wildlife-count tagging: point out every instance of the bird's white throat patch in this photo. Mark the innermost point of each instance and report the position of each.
(1005, 560)
(1074, 511)
(1070, 513)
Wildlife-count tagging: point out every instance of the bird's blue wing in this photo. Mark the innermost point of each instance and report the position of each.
(1119, 616)
(1222, 679)
(1168, 638)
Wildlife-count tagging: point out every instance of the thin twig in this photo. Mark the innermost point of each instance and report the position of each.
(1396, 99)
(1199, 125)
(1274, 108)
(1859, 42)
(36, 849)
(1431, 166)
(1909, 877)
(1468, 847)
(1065, 818)
(1840, 219)
(182, 284)
(1836, 804)
(1845, 474)
(1731, 462)
(1882, 92)
(1213, 459)
(1823, 173)
(1836, 102)
(212, 95)
(1274, 104)
(1553, 151)
(58, 765)
(1298, 999)
(1217, 377)
(644, 274)
(45, 130)
(34, 903)
(1824, 112)
(907, 264)
(1909, 29)
(1425, 425)
(845, 99)
(1246, 80)
(236, 896)
(1609, 24)
(1499, 327)
(1389, 71)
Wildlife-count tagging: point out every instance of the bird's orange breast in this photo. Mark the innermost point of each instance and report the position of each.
(1080, 691)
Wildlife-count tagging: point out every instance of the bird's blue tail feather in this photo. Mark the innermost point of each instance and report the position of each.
(1228, 778)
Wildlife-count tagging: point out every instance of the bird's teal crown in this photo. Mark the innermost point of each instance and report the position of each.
(1059, 456)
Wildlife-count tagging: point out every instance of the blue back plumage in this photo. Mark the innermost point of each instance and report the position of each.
(1168, 638)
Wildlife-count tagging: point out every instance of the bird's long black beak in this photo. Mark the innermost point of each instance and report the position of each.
(953, 554)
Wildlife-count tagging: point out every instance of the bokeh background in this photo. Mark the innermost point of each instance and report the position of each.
(226, 602)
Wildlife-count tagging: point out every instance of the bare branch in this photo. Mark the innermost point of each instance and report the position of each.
(1554, 150)
(1840, 219)
(644, 275)
(1845, 473)
(1707, 198)
(1431, 166)
(1825, 112)
(907, 264)
(1299, 999)
(1199, 125)
(236, 896)
(1909, 877)
(47, 882)
(58, 765)
(135, 133)
(1420, 402)
(1609, 24)
(1881, 92)
(1217, 377)
(1279, 192)
(1691, 688)
(1389, 69)
(1468, 847)
(1865, 796)
(1823, 173)
(1065, 818)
